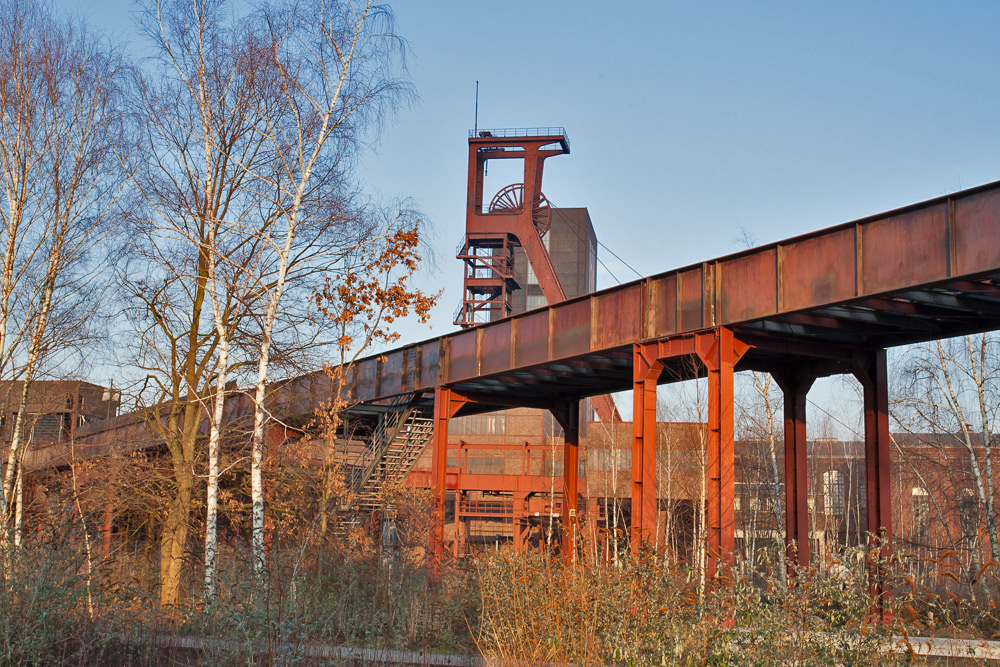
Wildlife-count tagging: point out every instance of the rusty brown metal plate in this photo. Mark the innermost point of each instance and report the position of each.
(411, 368)
(748, 287)
(977, 233)
(571, 329)
(462, 357)
(818, 270)
(391, 374)
(430, 357)
(662, 305)
(495, 348)
(904, 250)
(618, 317)
(365, 386)
(690, 303)
(531, 344)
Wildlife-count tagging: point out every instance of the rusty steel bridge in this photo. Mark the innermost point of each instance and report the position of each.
(825, 303)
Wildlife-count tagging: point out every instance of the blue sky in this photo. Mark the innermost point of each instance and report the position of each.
(690, 121)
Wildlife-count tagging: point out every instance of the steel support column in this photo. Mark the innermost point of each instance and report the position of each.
(446, 404)
(872, 374)
(719, 351)
(646, 370)
(568, 416)
(795, 387)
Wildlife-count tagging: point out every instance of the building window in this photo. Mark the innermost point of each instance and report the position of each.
(492, 424)
(532, 302)
(532, 279)
(921, 511)
(47, 428)
(968, 508)
(833, 493)
(484, 466)
(606, 460)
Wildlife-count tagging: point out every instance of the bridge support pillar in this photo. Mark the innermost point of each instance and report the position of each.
(795, 387)
(646, 370)
(446, 404)
(568, 416)
(872, 373)
(719, 351)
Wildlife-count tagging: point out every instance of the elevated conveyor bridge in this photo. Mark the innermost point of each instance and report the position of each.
(819, 304)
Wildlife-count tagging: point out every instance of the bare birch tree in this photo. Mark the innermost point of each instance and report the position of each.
(950, 404)
(60, 128)
(196, 249)
(338, 67)
(251, 126)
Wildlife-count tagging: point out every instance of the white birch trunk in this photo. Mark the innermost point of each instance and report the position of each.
(259, 555)
(214, 436)
(18, 507)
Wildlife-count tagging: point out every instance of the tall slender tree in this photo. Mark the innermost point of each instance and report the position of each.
(61, 129)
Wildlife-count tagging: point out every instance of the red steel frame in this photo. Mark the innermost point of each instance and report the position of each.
(718, 352)
(447, 403)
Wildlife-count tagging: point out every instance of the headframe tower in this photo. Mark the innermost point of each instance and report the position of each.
(518, 220)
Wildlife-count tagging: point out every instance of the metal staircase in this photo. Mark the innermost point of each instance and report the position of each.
(397, 443)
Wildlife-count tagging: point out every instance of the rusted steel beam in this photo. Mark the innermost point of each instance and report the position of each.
(873, 375)
(446, 404)
(878, 319)
(795, 385)
(646, 369)
(567, 413)
(954, 302)
(943, 245)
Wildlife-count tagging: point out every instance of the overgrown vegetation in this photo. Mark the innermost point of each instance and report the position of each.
(520, 608)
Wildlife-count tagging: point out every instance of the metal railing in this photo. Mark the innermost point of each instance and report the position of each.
(505, 132)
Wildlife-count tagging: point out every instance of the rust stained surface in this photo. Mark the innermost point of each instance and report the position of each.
(977, 228)
(411, 368)
(818, 270)
(430, 357)
(689, 295)
(663, 304)
(532, 343)
(390, 376)
(747, 287)
(618, 317)
(904, 250)
(571, 328)
(935, 247)
(462, 357)
(496, 348)
(366, 373)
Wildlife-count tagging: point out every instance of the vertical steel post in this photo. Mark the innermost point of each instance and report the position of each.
(455, 547)
(519, 515)
(873, 376)
(646, 369)
(569, 418)
(795, 387)
(717, 351)
(444, 409)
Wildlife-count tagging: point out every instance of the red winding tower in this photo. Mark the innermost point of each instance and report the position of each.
(491, 235)
(518, 218)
